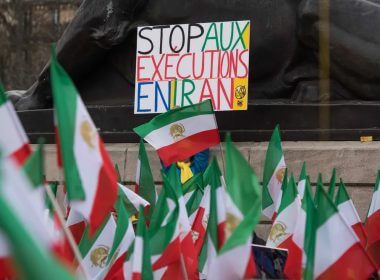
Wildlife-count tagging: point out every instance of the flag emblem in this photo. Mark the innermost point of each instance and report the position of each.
(280, 174)
(99, 256)
(278, 233)
(231, 224)
(88, 134)
(176, 131)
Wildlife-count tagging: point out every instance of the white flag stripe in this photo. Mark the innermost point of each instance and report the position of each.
(375, 203)
(134, 198)
(332, 241)
(24, 201)
(287, 218)
(347, 210)
(138, 168)
(88, 158)
(10, 125)
(137, 258)
(103, 243)
(301, 188)
(161, 137)
(221, 267)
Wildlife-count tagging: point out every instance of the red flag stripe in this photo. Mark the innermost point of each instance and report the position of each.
(188, 146)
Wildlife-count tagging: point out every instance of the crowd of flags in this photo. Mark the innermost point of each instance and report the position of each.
(201, 229)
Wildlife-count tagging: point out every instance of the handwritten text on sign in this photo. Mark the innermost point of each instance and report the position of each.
(179, 65)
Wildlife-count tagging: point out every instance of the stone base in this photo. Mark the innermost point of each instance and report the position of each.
(356, 163)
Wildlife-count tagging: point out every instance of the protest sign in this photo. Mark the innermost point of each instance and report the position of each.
(179, 65)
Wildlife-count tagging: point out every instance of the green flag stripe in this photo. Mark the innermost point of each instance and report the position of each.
(87, 242)
(146, 270)
(147, 189)
(331, 190)
(33, 262)
(121, 227)
(377, 180)
(309, 242)
(174, 115)
(289, 194)
(326, 207)
(65, 104)
(303, 172)
(3, 97)
(342, 194)
(34, 166)
(273, 155)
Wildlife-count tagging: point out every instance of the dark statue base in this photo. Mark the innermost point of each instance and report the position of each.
(298, 122)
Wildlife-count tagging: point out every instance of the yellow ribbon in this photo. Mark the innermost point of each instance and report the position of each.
(185, 170)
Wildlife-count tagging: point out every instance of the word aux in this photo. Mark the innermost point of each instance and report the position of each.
(179, 65)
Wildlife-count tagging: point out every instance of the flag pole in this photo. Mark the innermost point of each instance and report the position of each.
(183, 267)
(66, 232)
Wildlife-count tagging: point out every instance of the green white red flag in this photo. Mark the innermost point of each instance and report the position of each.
(91, 180)
(347, 209)
(164, 232)
(372, 223)
(131, 200)
(274, 170)
(123, 239)
(331, 190)
(23, 227)
(96, 248)
(137, 262)
(14, 141)
(286, 233)
(145, 186)
(338, 252)
(181, 133)
(243, 206)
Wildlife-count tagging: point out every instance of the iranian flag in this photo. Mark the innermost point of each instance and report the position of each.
(137, 262)
(372, 223)
(243, 206)
(91, 180)
(338, 252)
(200, 221)
(13, 142)
(193, 195)
(215, 235)
(144, 180)
(124, 237)
(164, 231)
(182, 132)
(188, 254)
(23, 228)
(302, 181)
(95, 249)
(347, 209)
(285, 232)
(274, 170)
(131, 200)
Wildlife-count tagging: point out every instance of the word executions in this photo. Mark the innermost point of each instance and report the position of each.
(179, 65)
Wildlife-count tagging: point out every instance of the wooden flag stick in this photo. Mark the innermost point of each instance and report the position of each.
(65, 230)
(186, 277)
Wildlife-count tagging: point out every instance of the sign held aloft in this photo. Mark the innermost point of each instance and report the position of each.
(180, 65)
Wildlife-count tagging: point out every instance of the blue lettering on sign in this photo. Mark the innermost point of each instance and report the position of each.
(140, 96)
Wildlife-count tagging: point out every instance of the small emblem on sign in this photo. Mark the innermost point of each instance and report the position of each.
(240, 92)
(176, 131)
(99, 256)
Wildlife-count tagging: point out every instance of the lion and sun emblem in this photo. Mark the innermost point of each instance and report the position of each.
(99, 256)
(176, 131)
(88, 133)
(278, 233)
(240, 93)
